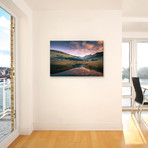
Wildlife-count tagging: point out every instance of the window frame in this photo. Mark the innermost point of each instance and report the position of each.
(128, 84)
(133, 69)
(6, 140)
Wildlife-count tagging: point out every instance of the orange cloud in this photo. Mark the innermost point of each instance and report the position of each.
(100, 49)
(100, 42)
(85, 48)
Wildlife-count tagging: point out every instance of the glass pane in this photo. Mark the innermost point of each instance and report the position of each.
(8, 95)
(143, 106)
(145, 86)
(1, 100)
(126, 102)
(126, 91)
(142, 61)
(125, 62)
(6, 40)
(136, 104)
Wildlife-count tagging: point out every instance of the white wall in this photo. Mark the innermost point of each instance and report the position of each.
(77, 103)
(24, 68)
(74, 4)
(25, 77)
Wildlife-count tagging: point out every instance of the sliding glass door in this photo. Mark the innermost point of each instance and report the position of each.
(7, 79)
(134, 63)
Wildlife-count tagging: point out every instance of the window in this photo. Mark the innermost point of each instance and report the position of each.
(134, 63)
(126, 73)
(142, 61)
(125, 62)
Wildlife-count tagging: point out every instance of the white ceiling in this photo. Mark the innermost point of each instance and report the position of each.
(74, 4)
(135, 8)
(137, 12)
(130, 9)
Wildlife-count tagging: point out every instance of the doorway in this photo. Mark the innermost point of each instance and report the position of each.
(7, 74)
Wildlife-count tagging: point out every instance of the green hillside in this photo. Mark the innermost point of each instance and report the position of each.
(60, 61)
(94, 57)
(58, 55)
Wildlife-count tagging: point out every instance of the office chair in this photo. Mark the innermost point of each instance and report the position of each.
(140, 98)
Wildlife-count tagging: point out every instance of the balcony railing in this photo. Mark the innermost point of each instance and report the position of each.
(5, 97)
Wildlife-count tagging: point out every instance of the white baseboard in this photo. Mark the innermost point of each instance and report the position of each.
(79, 127)
(25, 131)
(9, 139)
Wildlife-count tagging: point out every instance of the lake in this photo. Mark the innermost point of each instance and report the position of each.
(78, 71)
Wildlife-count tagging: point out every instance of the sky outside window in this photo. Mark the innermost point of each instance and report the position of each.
(4, 38)
(125, 55)
(142, 55)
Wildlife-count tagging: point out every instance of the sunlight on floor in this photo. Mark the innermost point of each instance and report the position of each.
(144, 118)
(132, 131)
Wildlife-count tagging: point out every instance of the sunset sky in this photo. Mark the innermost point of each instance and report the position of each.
(77, 48)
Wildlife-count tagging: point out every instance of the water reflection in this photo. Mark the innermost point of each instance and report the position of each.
(79, 71)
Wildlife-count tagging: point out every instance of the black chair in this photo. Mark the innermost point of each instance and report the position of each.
(140, 98)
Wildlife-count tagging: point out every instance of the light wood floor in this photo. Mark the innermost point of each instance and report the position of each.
(134, 135)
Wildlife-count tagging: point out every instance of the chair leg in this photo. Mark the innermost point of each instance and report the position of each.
(132, 108)
(141, 110)
(138, 108)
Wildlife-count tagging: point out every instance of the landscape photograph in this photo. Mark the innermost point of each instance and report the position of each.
(76, 58)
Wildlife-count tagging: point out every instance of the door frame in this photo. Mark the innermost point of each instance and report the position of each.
(8, 139)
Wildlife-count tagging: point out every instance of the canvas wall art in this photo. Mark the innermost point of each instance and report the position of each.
(76, 58)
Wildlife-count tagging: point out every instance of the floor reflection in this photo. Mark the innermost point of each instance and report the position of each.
(133, 129)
